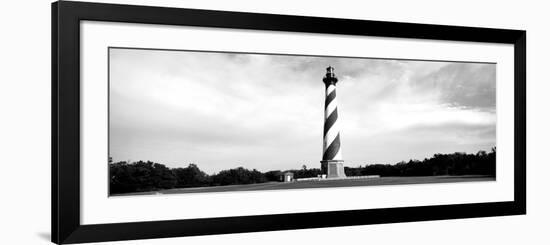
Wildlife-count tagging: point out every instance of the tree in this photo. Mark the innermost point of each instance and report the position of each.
(274, 175)
(238, 176)
(191, 176)
(139, 176)
(458, 163)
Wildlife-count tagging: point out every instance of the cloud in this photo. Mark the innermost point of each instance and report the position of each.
(463, 85)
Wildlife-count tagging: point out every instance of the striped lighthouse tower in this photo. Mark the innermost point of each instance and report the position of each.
(332, 163)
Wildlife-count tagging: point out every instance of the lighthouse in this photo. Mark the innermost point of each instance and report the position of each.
(332, 163)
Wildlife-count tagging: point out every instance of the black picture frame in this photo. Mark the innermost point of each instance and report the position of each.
(66, 17)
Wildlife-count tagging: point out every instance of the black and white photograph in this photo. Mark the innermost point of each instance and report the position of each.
(187, 121)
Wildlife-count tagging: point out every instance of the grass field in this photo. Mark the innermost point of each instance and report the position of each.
(322, 184)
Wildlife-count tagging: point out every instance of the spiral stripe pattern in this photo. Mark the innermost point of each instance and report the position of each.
(331, 134)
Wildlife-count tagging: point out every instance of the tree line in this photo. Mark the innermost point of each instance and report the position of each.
(481, 163)
(127, 177)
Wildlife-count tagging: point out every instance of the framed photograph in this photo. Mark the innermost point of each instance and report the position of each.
(174, 122)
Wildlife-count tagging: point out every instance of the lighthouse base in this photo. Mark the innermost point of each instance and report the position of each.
(333, 168)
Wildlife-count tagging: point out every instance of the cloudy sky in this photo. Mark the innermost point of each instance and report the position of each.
(224, 110)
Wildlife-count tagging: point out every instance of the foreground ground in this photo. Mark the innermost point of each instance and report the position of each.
(323, 184)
